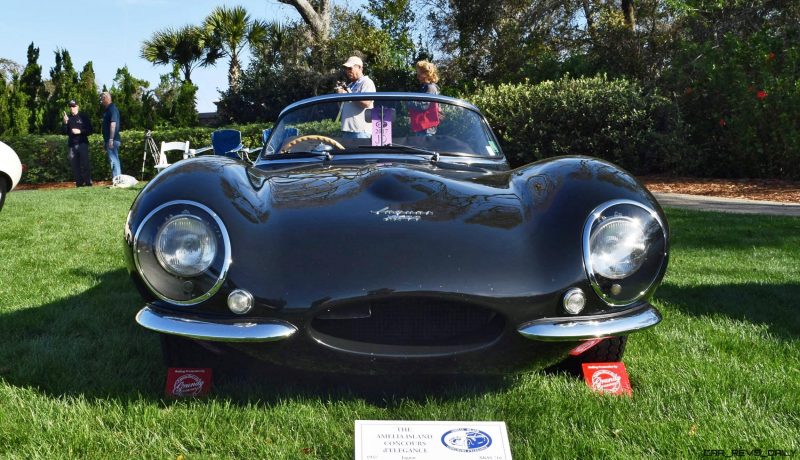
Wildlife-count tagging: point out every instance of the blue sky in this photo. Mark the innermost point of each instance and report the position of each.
(110, 34)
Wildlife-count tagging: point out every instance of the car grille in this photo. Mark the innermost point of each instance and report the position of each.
(415, 322)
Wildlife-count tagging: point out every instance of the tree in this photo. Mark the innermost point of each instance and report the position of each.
(87, 94)
(5, 117)
(32, 86)
(64, 80)
(176, 101)
(8, 68)
(231, 29)
(286, 68)
(186, 48)
(19, 113)
(396, 18)
(280, 46)
(134, 100)
(317, 19)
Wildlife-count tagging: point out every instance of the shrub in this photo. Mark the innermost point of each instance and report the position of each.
(741, 99)
(611, 119)
(45, 156)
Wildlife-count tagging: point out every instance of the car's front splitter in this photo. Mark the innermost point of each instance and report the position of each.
(566, 329)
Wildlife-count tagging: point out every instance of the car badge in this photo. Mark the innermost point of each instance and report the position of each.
(392, 215)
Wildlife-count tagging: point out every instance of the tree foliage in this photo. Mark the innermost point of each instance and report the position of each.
(65, 87)
(31, 84)
(176, 101)
(185, 48)
(231, 30)
(729, 70)
(134, 99)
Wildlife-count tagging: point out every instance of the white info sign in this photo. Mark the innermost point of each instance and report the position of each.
(398, 440)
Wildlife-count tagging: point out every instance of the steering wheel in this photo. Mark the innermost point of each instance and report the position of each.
(312, 137)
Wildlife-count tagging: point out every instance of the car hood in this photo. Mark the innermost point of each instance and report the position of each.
(312, 234)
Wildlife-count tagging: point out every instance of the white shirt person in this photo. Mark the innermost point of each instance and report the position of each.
(354, 122)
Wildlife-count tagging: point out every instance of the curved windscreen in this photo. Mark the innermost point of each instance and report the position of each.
(379, 124)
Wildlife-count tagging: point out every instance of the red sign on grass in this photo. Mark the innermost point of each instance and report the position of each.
(607, 378)
(182, 383)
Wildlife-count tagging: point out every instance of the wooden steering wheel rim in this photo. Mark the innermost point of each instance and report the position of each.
(313, 137)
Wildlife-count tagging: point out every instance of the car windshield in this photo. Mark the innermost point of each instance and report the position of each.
(375, 122)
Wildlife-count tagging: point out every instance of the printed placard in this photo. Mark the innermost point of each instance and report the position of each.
(382, 118)
(188, 383)
(418, 440)
(607, 378)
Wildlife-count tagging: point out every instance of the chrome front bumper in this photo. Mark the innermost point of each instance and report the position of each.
(245, 331)
(567, 329)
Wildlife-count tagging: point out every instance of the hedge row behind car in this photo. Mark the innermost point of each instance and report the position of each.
(45, 156)
(615, 120)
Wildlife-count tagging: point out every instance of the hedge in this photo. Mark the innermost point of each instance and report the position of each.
(611, 119)
(45, 156)
(616, 120)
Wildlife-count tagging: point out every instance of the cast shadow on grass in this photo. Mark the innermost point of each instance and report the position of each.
(89, 345)
(86, 344)
(772, 305)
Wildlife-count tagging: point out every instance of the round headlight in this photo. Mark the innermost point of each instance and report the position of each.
(182, 251)
(618, 247)
(185, 246)
(624, 251)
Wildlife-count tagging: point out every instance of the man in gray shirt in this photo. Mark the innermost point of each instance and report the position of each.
(354, 123)
(111, 137)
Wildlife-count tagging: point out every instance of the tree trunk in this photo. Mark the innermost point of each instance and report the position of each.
(318, 21)
(628, 11)
(234, 74)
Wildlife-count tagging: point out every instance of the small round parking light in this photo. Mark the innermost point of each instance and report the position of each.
(574, 301)
(240, 301)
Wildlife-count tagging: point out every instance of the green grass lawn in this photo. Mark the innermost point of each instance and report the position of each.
(79, 379)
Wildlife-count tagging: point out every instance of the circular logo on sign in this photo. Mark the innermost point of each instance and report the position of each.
(466, 440)
(604, 380)
(187, 385)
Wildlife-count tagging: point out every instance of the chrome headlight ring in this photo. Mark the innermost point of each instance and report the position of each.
(636, 239)
(194, 227)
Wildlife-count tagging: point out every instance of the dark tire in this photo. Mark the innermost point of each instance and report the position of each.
(609, 350)
(180, 352)
(4, 185)
(186, 353)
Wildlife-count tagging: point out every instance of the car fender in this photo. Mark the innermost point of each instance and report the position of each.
(10, 165)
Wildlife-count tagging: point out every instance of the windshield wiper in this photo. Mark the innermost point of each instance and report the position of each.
(434, 155)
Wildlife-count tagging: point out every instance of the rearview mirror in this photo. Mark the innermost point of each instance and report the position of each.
(380, 113)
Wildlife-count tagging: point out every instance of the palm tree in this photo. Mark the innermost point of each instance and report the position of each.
(186, 48)
(278, 45)
(232, 29)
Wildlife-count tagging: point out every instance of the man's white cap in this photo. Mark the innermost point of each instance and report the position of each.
(354, 60)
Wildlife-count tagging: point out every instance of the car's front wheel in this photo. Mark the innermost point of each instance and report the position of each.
(181, 352)
(608, 350)
(3, 187)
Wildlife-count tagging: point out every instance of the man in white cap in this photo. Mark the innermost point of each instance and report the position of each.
(354, 123)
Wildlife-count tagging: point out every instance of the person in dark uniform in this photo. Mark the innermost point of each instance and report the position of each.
(78, 127)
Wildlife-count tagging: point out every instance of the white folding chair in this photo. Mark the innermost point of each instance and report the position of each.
(163, 162)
